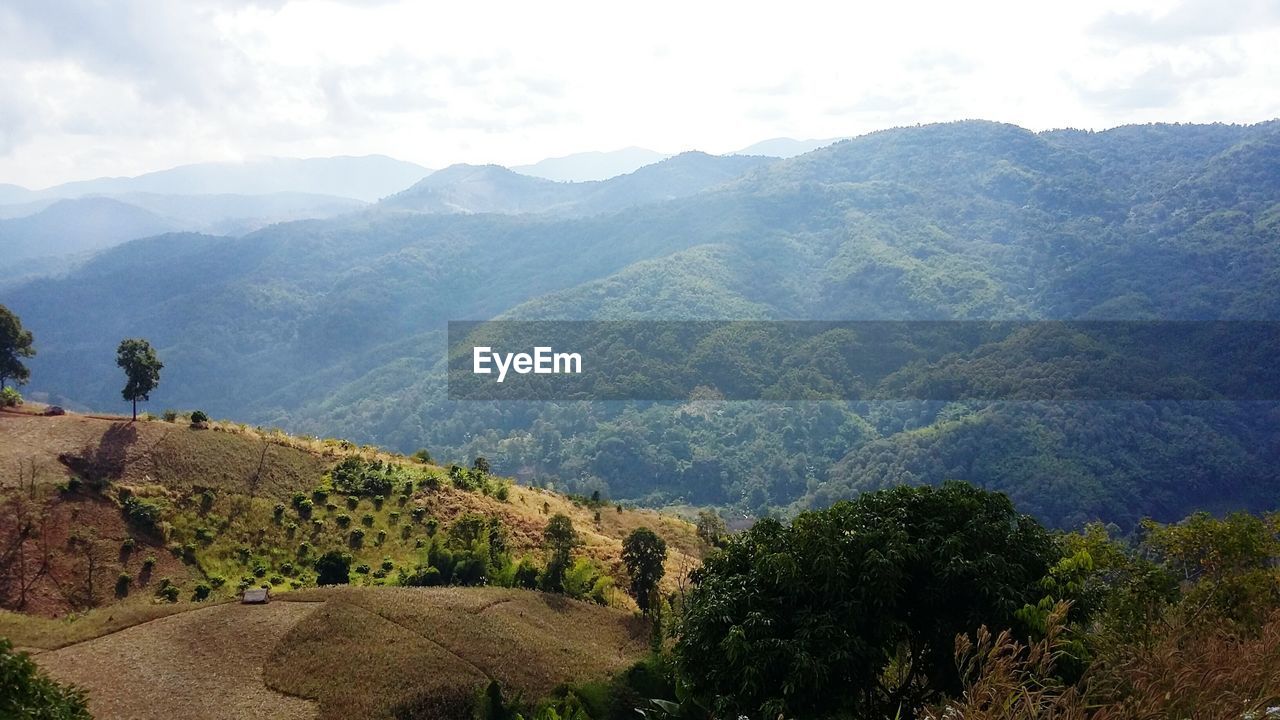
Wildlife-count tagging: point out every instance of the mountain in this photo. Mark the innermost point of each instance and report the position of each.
(232, 214)
(365, 178)
(338, 325)
(587, 166)
(494, 189)
(784, 147)
(14, 194)
(68, 227)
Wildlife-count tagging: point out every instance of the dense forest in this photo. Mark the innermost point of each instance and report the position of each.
(337, 327)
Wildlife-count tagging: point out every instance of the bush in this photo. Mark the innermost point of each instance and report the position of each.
(356, 538)
(168, 591)
(10, 397)
(367, 520)
(217, 581)
(122, 584)
(363, 569)
(276, 580)
(26, 692)
(259, 570)
(387, 564)
(144, 514)
(304, 549)
(169, 416)
(278, 511)
(204, 534)
(423, 456)
(352, 502)
(201, 592)
(422, 576)
(128, 545)
(199, 419)
(333, 568)
(343, 520)
(150, 563)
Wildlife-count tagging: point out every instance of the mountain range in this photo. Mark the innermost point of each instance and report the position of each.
(335, 326)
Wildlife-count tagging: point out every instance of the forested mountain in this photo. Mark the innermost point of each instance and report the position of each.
(587, 166)
(495, 189)
(336, 326)
(74, 226)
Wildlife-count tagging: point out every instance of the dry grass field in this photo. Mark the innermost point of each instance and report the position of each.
(204, 664)
(383, 652)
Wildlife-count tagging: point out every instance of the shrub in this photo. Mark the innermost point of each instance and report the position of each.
(169, 415)
(29, 693)
(276, 580)
(366, 520)
(408, 488)
(380, 573)
(363, 569)
(199, 418)
(304, 549)
(356, 538)
(259, 570)
(286, 568)
(382, 536)
(168, 591)
(204, 534)
(393, 518)
(201, 592)
(423, 456)
(422, 576)
(377, 502)
(10, 397)
(418, 513)
(352, 502)
(387, 564)
(502, 493)
(317, 525)
(526, 574)
(217, 581)
(144, 514)
(128, 545)
(333, 568)
(149, 563)
(278, 511)
(122, 584)
(354, 476)
(320, 495)
(343, 520)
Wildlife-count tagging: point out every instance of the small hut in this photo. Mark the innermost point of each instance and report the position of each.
(255, 596)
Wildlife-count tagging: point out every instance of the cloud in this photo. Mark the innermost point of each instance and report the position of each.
(1159, 85)
(1191, 19)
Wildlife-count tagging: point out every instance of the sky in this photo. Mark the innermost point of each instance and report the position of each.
(92, 88)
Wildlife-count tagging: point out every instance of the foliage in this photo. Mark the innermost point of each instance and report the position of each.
(10, 397)
(27, 693)
(333, 568)
(15, 345)
(644, 553)
(141, 369)
(854, 609)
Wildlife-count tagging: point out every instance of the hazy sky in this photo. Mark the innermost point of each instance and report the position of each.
(120, 87)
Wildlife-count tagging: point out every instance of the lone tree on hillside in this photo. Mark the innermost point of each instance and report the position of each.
(643, 552)
(141, 369)
(559, 538)
(15, 344)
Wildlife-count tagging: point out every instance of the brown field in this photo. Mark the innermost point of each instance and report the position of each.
(373, 652)
(337, 653)
(201, 664)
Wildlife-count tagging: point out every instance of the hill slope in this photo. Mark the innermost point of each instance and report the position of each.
(321, 326)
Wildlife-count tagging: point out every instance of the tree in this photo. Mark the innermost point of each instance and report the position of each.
(333, 568)
(710, 527)
(854, 610)
(643, 552)
(26, 692)
(15, 344)
(480, 464)
(141, 369)
(560, 539)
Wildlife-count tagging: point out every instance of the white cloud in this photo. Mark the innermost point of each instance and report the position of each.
(94, 88)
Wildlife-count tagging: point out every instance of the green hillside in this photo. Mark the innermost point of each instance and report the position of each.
(336, 327)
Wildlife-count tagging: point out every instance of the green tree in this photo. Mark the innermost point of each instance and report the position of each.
(559, 538)
(854, 610)
(15, 344)
(27, 693)
(643, 552)
(141, 368)
(333, 568)
(710, 527)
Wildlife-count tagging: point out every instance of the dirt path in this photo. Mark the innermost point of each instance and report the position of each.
(204, 664)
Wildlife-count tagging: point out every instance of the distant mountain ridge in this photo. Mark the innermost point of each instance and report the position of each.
(467, 189)
(587, 166)
(367, 178)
